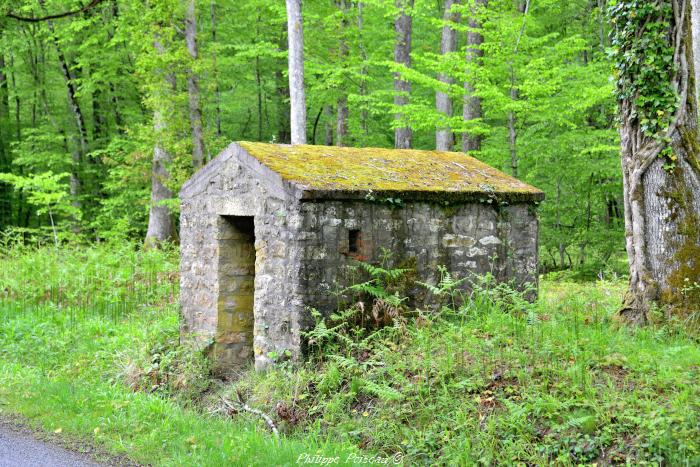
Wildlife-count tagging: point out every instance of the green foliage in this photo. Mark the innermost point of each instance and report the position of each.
(494, 386)
(384, 284)
(644, 59)
(566, 140)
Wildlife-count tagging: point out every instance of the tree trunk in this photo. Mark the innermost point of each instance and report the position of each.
(195, 107)
(161, 225)
(403, 26)
(217, 90)
(297, 95)
(696, 44)
(259, 92)
(444, 138)
(524, 8)
(328, 139)
(282, 88)
(341, 132)
(513, 131)
(661, 183)
(364, 114)
(472, 104)
(81, 144)
(5, 160)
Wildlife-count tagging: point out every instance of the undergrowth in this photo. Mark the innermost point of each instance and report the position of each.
(484, 377)
(490, 378)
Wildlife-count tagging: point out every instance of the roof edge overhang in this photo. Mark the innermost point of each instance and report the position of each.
(441, 197)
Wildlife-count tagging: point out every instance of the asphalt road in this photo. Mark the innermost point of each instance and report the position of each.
(21, 449)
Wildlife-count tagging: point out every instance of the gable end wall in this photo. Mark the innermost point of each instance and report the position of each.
(236, 185)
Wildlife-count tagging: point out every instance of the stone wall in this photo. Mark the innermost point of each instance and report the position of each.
(230, 187)
(474, 238)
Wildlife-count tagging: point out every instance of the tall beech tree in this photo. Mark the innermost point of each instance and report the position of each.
(695, 6)
(403, 26)
(660, 155)
(472, 103)
(444, 138)
(161, 225)
(297, 93)
(341, 133)
(198, 146)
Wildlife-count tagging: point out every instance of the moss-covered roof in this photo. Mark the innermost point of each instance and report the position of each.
(330, 169)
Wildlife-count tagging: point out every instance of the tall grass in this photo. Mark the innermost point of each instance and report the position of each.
(70, 319)
(109, 280)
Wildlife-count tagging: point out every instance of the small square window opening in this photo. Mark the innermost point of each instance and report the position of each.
(354, 241)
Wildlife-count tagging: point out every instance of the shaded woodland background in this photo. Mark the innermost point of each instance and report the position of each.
(93, 105)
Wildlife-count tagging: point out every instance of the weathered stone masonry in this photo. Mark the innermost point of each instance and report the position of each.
(260, 245)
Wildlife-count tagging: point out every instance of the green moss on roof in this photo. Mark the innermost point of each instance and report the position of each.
(342, 169)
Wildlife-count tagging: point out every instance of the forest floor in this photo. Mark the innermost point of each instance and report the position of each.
(88, 351)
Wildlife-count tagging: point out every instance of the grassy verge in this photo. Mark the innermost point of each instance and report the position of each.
(88, 348)
(64, 361)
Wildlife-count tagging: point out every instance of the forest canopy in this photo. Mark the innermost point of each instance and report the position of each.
(96, 103)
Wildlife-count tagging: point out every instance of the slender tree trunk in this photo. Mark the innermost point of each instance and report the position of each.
(161, 225)
(195, 106)
(524, 8)
(328, 111)
(403, 26)
(295, 35)
(18, 105)
(21, 199)
(282, 87)
(113, 95)
(512, 130)
(444, 138)
(696, 44)
(662, 189)
(341, 133)
(364, 114)
(472, 104)
(259, 92)
(562, 246)
(217, 90)
(81, 146)
(5, 159)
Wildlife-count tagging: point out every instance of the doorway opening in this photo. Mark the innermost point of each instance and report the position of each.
(236, 275)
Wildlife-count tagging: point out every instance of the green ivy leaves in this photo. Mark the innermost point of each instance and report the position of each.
(643, 55)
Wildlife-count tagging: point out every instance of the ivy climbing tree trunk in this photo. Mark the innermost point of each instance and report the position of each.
(660, 157)
(297, 94)
(444, 138)
(403, 25)
(195, 106)
(472, 104)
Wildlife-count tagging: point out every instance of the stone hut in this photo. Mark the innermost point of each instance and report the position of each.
(266, 230)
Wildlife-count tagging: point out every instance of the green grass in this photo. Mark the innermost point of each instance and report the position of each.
(63, 355)
(88, 346)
